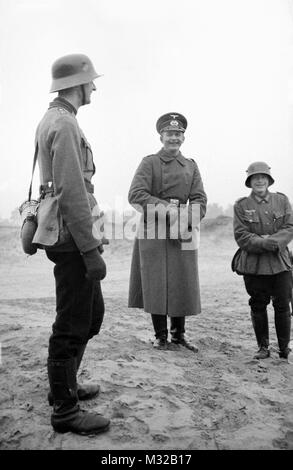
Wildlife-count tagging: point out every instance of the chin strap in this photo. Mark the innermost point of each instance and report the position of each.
(83, 95)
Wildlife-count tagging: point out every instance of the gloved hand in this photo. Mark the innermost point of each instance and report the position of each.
(270, 245)
(105, 241)
(95, 265)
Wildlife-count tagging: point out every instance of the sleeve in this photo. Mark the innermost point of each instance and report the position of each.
(140, 192)
(246, 240)
(69, 185)
(197, 195)
(284, 234)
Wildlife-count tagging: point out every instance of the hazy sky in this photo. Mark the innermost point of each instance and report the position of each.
(225, 64)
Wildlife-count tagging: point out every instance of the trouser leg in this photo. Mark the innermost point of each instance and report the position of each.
(79, 355)
(177, 333)
(98, 310)
(160, 326)
(74, 306)
(177, 329)
(258, 287)
(282, 291)
(283, 329)
(97, 316)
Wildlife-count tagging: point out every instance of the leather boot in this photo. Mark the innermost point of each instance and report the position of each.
(161, 331)
(262, 353)
(67, 415)
(260, 325)
(283, 330)
(177, 333)
(160, 343)
(85, 391)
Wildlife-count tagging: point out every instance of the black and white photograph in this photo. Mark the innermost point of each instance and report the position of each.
(146, 227)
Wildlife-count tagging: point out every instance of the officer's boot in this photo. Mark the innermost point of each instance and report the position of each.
(67, 415)
(261, 329)
(177, 333)
(161, 331)
(84, 391)
(283, 329)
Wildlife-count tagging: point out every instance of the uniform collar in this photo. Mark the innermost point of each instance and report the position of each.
(167, 158)
(60, 102)
(259, 199)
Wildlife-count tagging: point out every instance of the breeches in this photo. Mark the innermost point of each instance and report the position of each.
(262, 289)
(79, 306)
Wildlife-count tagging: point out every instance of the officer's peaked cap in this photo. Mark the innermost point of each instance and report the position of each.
(171, 122)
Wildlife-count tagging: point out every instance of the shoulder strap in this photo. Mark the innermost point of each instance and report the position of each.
(34, 165)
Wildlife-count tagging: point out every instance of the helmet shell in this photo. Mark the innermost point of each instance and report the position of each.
(256, 168)
(72, 70)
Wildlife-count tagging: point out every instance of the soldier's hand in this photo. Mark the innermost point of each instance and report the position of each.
(270, 245)
(95, 265)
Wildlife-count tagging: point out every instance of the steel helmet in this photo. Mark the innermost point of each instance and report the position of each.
(72, 70)
(256, 168)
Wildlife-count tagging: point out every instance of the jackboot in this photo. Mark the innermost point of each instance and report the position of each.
(85, 391)
(260, 325)
(161, 331)
(177, 334)
(283, 330)
(67, 415)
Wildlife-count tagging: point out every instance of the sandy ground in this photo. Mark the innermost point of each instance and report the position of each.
(218, 398)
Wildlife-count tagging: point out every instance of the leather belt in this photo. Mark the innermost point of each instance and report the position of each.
(48, 189)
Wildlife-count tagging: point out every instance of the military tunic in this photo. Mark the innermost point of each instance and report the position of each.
(254, 218)
(164, 278)
(65, 215)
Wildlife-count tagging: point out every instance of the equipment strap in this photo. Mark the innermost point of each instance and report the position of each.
(34, 165)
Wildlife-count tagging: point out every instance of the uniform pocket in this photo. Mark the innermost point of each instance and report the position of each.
(87, 157)
(278, 215)
(278, 219)
(252, 217)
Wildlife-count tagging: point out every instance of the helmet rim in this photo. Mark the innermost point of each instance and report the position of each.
(256, 168)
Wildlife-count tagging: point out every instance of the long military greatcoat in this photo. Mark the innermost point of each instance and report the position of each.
(164, 277)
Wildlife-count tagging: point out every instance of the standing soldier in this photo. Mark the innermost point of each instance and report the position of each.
(263, 227)
(164, 272)
(66, 232)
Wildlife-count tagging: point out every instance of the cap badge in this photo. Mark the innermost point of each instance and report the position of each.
(174, 123)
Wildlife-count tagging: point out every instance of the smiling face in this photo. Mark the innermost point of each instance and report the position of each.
(172, 141)
(259, 184)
